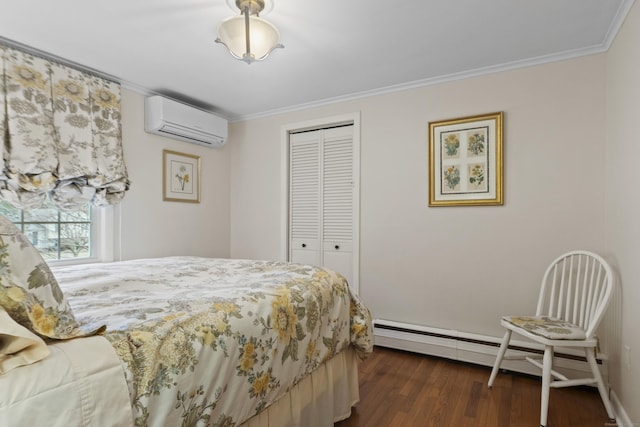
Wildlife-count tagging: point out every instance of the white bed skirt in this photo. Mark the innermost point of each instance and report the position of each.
(324, 397)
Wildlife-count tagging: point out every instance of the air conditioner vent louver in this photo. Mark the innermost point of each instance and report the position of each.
(180, 121)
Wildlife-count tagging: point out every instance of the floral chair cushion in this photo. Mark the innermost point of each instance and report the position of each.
(547, 327)
(28, 290)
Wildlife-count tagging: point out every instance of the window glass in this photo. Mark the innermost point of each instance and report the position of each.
(10, 212)
(43, 214)
(57, 234)
(75, 239)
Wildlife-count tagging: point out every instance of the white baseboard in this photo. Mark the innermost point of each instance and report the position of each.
(474, 348)
(622, 419)
(482, 350)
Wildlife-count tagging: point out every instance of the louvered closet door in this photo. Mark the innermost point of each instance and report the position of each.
(337, 200)
(304, 198)
(321, 199)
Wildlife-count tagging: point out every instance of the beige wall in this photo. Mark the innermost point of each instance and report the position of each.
(622, 201)
(151, 227)
(455, 267)
(458, 268)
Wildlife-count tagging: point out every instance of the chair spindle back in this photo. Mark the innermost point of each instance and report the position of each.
(576, 288)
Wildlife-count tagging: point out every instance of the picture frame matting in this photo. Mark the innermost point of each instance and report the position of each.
(465, 161)
(180, 177)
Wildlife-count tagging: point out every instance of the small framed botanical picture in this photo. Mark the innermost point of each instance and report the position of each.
(181, 177)
(465, 161)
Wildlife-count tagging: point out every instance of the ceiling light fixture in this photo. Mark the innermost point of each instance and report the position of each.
(248, 37)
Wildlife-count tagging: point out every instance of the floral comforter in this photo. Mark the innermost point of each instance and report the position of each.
(214, 341)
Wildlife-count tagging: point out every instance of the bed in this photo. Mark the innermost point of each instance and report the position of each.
(189, 341)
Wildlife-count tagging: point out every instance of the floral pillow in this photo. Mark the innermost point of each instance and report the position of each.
(28, 290)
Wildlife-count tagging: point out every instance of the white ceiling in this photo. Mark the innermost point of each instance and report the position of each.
(334, 49)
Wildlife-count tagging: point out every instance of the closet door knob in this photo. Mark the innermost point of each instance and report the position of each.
(337, 247)
(304, 245)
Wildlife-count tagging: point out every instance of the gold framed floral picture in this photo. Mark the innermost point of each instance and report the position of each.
(180, 177)
(465, 161)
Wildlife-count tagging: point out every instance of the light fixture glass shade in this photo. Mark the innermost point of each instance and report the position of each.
(264, 37)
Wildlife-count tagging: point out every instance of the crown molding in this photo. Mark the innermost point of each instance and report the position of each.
(610, 36)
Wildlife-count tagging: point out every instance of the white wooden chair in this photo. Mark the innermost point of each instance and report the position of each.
(575, 292)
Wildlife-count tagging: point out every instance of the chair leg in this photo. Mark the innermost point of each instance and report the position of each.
(591, 359)
(547, 361)
(503, 348)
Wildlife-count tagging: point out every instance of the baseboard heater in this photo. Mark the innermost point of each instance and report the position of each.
(474, 348)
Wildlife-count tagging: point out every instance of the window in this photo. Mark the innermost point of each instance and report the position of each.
(57, 234)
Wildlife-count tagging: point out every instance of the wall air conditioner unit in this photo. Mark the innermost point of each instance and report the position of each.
(180, 121)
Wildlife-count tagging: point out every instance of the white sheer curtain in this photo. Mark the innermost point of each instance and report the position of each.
(61, 135)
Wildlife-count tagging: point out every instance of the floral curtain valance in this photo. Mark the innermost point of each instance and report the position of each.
(61, 135)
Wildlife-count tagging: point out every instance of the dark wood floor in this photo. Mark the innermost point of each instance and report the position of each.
(401, 389)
